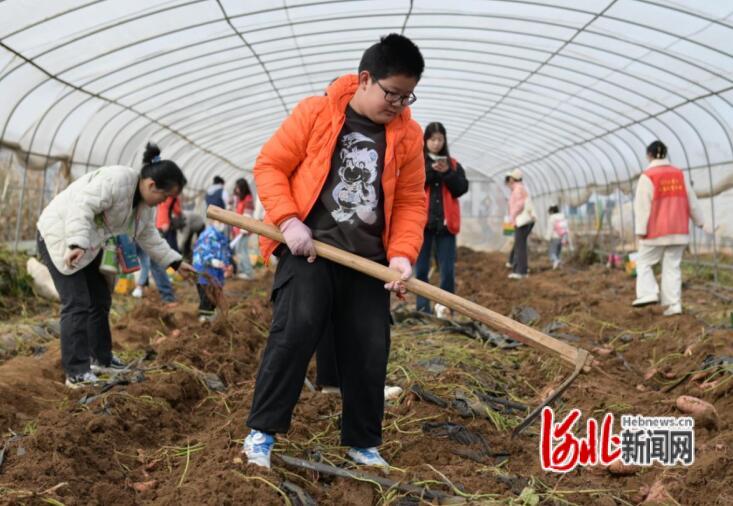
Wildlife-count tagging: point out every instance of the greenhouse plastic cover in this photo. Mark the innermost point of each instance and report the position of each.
(571, 92)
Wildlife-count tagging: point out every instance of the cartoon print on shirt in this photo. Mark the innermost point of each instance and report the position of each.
(356, 194)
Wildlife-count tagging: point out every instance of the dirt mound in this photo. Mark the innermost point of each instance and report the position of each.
(171, 433)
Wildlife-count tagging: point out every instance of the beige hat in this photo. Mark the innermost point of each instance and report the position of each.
(516, 174)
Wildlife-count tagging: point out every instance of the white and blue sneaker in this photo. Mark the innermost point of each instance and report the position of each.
(258, 447)
(367, 457)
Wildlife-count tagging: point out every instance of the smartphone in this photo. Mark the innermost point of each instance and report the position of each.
(441, 158)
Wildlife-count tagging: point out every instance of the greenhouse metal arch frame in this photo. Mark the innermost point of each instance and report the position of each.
(538, 76)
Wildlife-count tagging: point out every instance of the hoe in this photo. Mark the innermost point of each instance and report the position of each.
(577, 357)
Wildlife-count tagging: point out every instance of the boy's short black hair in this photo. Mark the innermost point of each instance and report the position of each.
(393, 55)
(553, 209)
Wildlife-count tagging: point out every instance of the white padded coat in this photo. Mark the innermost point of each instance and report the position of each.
(95, 207)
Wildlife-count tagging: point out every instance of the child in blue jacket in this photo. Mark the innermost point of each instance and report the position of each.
(211, 255)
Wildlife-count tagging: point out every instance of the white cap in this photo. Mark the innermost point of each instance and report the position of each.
(516, 174)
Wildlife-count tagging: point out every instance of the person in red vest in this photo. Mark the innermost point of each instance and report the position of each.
(664, 204)
(445, 181)
(168, 220)
(245, 206)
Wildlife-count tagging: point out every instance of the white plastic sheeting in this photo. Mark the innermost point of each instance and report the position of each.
(571, 92)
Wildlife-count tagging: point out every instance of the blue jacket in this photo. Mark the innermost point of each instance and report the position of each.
(211, 245)
(215, 196)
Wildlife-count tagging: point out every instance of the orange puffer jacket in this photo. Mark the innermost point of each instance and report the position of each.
(292, 167)
(166, 210)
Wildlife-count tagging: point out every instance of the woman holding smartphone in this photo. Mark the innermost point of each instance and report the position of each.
(445, 181)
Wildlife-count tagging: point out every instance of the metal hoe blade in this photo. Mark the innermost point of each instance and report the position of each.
(582, 357)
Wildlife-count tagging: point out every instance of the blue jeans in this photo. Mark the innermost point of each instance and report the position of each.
(555, 249)
(244, 264)
(445, 252)
(162, 281)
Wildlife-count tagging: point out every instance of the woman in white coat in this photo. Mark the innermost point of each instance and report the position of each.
(72, 231)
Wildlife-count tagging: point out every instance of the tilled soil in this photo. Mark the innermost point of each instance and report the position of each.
(173, 434)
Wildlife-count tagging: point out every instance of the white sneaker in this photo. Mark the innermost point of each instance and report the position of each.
(115, 366)
(516, 275)
(138, 292)
(331, 390)
(508, 265)
(645, 301)
(243, 275)
(87, 379)
(673, 310)
(258, 448)
(367, 457)
(442, 311)
(204, 318)
(555, 264)
(391, 392)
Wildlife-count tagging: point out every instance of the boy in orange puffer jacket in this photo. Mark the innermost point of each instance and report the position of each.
(346, 169)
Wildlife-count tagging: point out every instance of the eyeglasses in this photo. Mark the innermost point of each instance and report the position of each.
(395, 98)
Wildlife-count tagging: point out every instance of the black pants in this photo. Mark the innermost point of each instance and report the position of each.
(206, 305)
(171, 237)
(327, 372)
(518, 256)
(85, 302)
(307, 299)
(188, 242)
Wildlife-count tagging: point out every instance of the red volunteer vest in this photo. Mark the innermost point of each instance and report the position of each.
(451, 207)
(670, 214)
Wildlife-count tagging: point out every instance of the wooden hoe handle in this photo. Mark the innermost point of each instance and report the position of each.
(512, 328)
